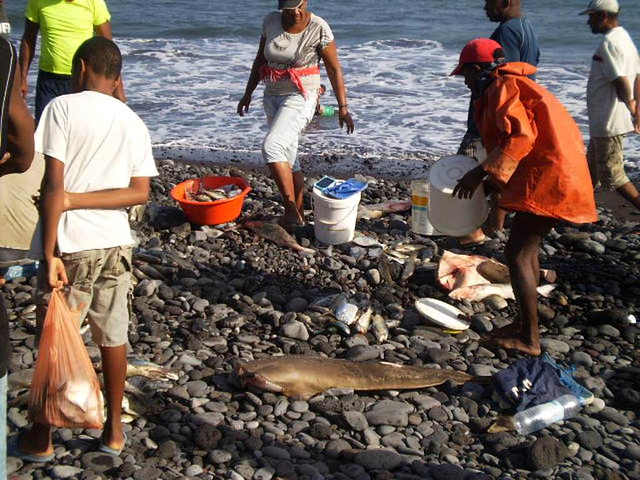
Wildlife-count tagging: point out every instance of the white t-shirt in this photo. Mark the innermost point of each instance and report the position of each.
(616, 57)
(285, 50)
(102, 144)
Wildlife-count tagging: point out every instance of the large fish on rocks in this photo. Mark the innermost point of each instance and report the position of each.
(475, 293)
(456, 271)
(302, 377)
(276, 234)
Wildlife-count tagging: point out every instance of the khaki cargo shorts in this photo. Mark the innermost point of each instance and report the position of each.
(100, 287)
(606, 164)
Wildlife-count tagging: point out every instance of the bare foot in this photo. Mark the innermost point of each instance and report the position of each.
(518, 344)
(508, 331)
(113, 437)
(495, 222)
(473, 238)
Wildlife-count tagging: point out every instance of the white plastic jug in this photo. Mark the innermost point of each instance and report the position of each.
(335, 219)
(452, 215)
(420, 222)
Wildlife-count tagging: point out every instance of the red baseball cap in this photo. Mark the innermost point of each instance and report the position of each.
(480, 50)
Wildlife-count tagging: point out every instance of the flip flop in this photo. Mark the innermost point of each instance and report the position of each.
(14, 450)
(104, 448)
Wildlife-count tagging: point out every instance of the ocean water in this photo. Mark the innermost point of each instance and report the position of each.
(186, 65)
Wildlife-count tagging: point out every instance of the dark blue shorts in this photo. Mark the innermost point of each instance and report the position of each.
(48, 87)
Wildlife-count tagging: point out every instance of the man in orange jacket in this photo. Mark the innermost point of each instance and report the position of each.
(536, 157)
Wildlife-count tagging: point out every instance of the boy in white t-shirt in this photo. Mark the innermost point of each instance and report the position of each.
(98, 162)
(613, 96)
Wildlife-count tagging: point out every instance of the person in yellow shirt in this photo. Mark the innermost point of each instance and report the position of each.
(64, 24)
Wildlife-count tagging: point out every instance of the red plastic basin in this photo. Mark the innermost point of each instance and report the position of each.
(211, 213)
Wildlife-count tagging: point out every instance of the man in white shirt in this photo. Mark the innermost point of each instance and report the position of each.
(613, 99)
(98, 162)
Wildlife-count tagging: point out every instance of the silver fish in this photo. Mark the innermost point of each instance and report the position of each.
(380, 330)
(385, 269)
(367, 242)
(408, 270)
(276, 234)
(364, 321)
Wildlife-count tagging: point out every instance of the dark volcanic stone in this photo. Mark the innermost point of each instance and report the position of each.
(589, 439)
(207, 437)
(100, 462)
(168, 449)
(547, 452)
(147, 473)
(378, 459)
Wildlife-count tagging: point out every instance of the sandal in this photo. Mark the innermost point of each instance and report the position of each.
(112, 451)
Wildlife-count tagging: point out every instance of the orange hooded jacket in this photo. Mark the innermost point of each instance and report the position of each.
(535, 148)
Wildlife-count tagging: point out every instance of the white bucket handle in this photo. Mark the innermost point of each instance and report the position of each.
(337, 222)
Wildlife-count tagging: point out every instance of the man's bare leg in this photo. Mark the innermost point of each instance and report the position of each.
(114, 369)
(298, 188)
(497, 215)
(629, 192)
(283, 176)
(37, 440)
(522, 258)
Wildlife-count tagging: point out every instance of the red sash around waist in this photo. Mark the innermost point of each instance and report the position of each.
(294, 74)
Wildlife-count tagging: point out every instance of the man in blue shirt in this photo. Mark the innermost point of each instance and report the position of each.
(520, 44)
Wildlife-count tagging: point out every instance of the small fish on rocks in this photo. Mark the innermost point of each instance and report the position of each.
(276, 234)
(380, 329)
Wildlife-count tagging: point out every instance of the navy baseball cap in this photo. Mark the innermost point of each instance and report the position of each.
(289, 4)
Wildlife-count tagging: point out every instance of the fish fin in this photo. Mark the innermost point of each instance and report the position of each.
(504, 423)
(484, 379)
(545, 290)
(300, 393)
(397, 365)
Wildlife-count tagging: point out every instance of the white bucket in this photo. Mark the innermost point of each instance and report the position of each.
(335, 219)
(451, 215)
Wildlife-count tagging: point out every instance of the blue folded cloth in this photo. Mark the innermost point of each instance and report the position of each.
(341, 190)
(532, 381)
(529, 382)
(566, 377)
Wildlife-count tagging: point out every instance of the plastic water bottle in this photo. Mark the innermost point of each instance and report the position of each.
(541, 416)
(329, 111)
(420, 207)
(5, 26)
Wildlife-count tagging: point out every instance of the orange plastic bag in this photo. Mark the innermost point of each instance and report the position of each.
(65, 391)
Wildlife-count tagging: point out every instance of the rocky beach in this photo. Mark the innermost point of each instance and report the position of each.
(208, 297)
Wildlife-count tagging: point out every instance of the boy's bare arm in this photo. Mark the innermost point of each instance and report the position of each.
(135, 194)
(50, 210)
(19, 133)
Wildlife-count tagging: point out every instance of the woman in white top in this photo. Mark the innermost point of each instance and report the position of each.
(293, 42)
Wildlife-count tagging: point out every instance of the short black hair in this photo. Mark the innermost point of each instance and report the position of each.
(101, 55)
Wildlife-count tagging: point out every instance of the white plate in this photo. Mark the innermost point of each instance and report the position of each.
(441, 313)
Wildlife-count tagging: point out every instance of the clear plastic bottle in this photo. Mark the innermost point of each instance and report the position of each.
(420, 222)
(541, 416)
(5, 26)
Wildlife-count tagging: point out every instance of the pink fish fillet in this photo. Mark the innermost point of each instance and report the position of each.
(475, 293)
(457, 271)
